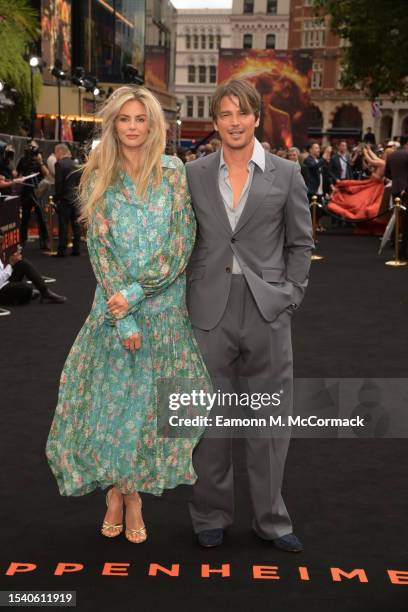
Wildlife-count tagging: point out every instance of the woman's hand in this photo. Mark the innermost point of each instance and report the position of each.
(133, 343)
(118, 304)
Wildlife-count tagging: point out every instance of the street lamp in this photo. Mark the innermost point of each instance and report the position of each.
(60, 75)
(34, 62)
(179, 122)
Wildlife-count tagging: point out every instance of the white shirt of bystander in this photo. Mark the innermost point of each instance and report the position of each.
(5, 273)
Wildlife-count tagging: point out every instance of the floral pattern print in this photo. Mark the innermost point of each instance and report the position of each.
(104, 429)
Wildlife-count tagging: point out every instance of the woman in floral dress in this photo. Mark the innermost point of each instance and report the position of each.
(141, 231)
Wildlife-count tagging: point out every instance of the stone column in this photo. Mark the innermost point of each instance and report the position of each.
(395, 124)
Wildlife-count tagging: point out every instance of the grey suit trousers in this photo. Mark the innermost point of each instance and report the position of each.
(243, 346)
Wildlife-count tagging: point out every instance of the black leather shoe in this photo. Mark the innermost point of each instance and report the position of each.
(211, 537)
(288, 543)
(49, 297)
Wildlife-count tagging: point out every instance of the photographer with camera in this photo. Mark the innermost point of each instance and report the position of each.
(13, 289)
(32, 162)
(8, 174)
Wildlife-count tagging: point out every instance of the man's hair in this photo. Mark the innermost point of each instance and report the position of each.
(310, 145)
(249, 98)
(403, 140)
(63, 148)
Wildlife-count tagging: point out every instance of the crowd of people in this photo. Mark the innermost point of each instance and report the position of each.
(351, 182)
(34, 180)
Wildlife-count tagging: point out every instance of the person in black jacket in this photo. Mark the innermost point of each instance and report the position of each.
(318, 170)
(32, 163)
(13, 288)
(318, 175)
(67, 176)
(340, 167)
(396, 169)
(369, 137)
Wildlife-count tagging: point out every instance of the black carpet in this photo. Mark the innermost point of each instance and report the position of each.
(347, 498)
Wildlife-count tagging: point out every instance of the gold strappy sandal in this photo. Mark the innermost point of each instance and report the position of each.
(141, 533)
(109, 530)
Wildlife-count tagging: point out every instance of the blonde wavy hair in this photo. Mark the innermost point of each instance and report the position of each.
(106, 160)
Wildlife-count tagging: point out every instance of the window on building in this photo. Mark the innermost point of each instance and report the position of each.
(202, 74)
(272, 7)
(112, 38)
(200, 106)
(191, 74)
(190, 106)
(247, 41)
(211, 41)
(218, 41)
(209, 106)
(308, 2)
(270, 41)
(195, 41)
(248, 6)
(203, 41)
(317, 75)
(188, 41)
(213, 74)
(313, 34)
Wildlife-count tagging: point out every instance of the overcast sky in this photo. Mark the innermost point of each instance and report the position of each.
(202, 3)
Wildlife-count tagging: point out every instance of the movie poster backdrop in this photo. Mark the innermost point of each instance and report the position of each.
(283, 80)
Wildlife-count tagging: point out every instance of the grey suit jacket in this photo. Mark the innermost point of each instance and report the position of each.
(272, 241)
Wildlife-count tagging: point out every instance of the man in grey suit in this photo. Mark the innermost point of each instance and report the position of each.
(247, 274)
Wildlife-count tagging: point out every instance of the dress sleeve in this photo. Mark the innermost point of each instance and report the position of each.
(112, 275)
(171, 258)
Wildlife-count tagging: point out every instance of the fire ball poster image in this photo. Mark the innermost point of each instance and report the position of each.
(283, 80)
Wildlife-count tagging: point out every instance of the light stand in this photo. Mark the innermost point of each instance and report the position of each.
(60, 75)
(34, 62)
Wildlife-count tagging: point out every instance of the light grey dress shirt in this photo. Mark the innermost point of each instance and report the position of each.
(234, 214)
(343, 166)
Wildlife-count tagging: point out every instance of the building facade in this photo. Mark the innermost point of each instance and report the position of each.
(260, 24)
(110, 41)
(338, 112)
(199, 35)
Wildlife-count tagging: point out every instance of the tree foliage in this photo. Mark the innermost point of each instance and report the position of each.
(18, 28)
(376, 52)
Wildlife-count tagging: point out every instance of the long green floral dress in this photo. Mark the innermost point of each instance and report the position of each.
(104, 429)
